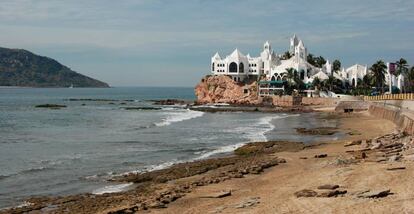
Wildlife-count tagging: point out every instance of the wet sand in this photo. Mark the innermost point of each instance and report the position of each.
(261, 180)
(273, 191)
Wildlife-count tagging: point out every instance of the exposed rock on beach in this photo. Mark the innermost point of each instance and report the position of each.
(222, 89)
(370, 172)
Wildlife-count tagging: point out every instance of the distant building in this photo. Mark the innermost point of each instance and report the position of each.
(271, 67)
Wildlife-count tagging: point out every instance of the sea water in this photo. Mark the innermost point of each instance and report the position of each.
(78, 148)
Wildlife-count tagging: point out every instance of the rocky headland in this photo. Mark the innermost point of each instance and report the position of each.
(222, 89)
(22, 68)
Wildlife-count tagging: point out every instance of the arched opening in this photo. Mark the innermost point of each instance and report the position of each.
(353, 82)
(273, 78)
(278, 78)
(241, 68)
(284, 78)
(302, 74)
(212, 66)
(233, 67)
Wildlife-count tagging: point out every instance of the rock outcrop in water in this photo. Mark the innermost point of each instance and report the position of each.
(222, 89)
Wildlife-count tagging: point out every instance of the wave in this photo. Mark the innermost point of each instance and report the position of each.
(112, 188)
(220, 150)
(254, 133)
(34, 170)
(178, 116)
(101, 176)
(4, 176)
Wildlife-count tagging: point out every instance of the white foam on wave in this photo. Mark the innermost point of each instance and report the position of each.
(153, 167)
(254, 133)
(178, 116)
(220, 150)
(162, 166)
(112, 188)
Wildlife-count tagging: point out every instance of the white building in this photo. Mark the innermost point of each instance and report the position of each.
(354, 73)
(270, 66)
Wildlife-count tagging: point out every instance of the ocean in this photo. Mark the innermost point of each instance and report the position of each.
(78, 148)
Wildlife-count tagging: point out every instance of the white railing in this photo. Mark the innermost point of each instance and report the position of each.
(269, 90)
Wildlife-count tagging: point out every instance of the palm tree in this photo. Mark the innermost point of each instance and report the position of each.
(320, 61)
(311, 60)
(291, 74)
(332, 82)
(410, 79)
(366, 81)
(336, 65)
(316, 83)
(286, 55)
(378, 74)
(402, 67)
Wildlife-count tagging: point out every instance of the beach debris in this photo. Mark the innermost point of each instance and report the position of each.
(395, 168)
(329, 186)
(363, 155)
(248, 203)
(394, 158)
(305, 193)
(321, 156)
(381, 159)
(354, 132)
(332, 193)
(375, 193)
(220, 194)
(353, 143)
(344, 161)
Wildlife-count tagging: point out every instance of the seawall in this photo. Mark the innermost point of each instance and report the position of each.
(398, 112)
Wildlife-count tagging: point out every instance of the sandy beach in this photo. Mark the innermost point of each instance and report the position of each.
(273, 191)
(273, 177)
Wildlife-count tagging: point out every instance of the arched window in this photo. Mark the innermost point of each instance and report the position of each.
(353, 82)
(273, 78)
(241, 68)
(233, 67)
(212, 67)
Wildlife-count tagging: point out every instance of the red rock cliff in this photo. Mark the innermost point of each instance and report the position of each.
(222, 89)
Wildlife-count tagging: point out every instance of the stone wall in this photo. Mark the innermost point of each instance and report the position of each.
(285, 101)
(352, 105)
(319, 101)
(404, 119)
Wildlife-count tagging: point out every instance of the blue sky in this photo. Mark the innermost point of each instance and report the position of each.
(170, 42)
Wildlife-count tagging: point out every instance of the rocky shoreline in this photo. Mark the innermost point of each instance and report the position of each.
(158, 189)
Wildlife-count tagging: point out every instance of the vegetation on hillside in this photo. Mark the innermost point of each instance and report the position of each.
(22, 68)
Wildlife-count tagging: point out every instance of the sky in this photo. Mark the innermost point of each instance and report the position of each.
(171, 42)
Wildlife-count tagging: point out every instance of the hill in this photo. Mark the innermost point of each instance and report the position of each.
(23, 68)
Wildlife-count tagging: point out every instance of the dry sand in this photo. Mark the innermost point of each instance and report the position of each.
(273, 191)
